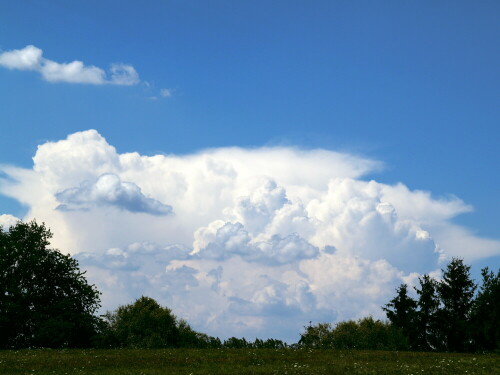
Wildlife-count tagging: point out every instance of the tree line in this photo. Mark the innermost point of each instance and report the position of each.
(453, 314)
(46, 301)
(448, 315)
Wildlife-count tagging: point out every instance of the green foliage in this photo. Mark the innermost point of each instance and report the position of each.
(365, 333)
(45, 300)
(236, 343)
(318, 336)
(486, 312)
(426, 323)
(401, 312)
(142, 324)
(447, 317)
(146, 324)
(269, 344)
(189, 338)
(456, 293)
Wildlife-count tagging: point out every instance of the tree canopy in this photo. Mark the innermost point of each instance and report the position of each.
(447, 316)
(143, 324)
(45, 300)
(146, 324)
(366, 333)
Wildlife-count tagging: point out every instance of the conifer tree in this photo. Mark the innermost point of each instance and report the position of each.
(486, 312)
(401, 312)
(426, 320)
(456, 292)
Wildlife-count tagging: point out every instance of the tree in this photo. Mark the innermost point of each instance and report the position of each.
(486, 312)
(45, 300)
(456, 292)
(236, 343)
(366, 333)
(426, 319)
(318, 336)
(146, 324)
(269, 344)
(378, 335)
(401, 312)
(143, 324)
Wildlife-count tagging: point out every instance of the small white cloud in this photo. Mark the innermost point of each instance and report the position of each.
(30, 58)
(109, 190)
(73, 72)
(122, 74)
(166, 93)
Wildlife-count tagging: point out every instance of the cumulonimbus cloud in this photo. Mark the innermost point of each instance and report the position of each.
(31, 58)
(262, 241)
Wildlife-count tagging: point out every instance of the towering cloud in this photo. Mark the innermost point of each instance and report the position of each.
(239, 241)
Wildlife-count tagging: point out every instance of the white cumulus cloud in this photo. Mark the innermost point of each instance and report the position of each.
(6, 221)
(262, 241)
(109, 190)
(31, 58)
(28, 58)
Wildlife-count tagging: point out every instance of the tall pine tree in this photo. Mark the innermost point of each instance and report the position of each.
(401, 312)
(456, 292)
(486, 312)
(426, 321)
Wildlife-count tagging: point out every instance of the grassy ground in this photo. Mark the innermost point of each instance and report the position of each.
(242, 361)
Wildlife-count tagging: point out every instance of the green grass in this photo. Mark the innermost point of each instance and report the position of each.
(242, 361)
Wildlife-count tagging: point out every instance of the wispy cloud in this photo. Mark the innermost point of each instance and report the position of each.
(163, 93)
(31, 58)
(166, 93)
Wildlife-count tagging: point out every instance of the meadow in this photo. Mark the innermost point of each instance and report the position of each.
(241, 361)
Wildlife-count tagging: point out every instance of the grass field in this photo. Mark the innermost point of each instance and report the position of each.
(242, 361)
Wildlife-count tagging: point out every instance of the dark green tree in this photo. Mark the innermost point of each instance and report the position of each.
(269, 344)
(366, 333)
(486, 312)
(345, 335)
(427, 327)
(318, 336)
(189, 338)
(377, 335)
(401, 312)
(456, 293)
(142, 324)
(45, 300)
(237, 343)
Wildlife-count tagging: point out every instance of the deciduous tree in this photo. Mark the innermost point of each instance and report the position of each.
(45, 300)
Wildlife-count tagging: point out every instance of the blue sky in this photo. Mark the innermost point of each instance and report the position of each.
(412, 85)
